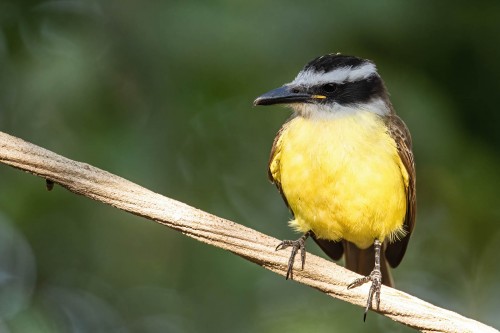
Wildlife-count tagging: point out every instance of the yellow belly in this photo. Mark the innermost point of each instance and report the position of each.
(342, 178)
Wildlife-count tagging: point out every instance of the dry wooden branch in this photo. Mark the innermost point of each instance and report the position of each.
(321, 274)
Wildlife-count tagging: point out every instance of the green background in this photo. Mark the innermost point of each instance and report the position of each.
(160, 92)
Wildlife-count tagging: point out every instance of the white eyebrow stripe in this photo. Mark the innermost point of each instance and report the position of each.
(344, 74)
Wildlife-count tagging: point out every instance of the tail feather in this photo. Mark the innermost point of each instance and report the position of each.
(363, 261)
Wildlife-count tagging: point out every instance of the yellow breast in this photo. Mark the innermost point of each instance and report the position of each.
(342, 177)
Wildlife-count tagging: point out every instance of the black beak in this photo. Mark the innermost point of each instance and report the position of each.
(283, 95)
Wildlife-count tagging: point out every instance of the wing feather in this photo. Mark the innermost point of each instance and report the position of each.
(400, 133)
(274, 168)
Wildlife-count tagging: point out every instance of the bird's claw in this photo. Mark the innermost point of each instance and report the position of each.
(299, 244)
(376, 278)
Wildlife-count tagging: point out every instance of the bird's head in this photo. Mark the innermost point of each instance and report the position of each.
(333, 85)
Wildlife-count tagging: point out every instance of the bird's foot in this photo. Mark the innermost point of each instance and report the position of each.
(376, 278)
(299, 244)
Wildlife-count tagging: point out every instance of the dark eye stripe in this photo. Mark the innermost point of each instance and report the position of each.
(351, 92)
(329, 87)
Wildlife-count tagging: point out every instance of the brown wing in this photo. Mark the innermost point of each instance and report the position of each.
(334, 250)
(276, 150)
(400, 133)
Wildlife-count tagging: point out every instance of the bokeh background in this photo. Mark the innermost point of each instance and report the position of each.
(161, 92)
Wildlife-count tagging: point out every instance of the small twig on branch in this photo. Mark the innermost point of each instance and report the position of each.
(254, 246)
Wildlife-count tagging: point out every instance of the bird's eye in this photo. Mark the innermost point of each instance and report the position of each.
(329, 87)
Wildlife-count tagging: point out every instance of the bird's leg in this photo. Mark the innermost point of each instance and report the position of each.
(296, 245)
(375, 277)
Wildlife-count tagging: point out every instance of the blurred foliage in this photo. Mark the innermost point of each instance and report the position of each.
(161, 93)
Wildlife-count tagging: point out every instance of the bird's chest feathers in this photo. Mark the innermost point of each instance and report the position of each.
(326, 147)
(341, 176)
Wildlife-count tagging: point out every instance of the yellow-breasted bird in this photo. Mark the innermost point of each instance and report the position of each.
(344, 166)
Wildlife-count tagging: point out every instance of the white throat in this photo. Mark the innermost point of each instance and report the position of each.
(332, 111)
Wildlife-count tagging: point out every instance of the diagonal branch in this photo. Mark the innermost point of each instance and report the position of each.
(97, 184)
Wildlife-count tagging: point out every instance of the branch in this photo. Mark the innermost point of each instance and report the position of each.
(86, 180)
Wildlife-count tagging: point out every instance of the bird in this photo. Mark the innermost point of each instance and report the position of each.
(344, 166)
